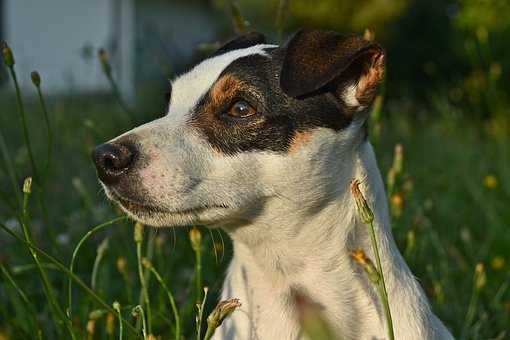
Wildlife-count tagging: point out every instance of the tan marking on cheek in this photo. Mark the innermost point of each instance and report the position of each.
(299, 140)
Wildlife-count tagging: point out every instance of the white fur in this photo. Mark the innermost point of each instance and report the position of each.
(291, 217)
(190, 87)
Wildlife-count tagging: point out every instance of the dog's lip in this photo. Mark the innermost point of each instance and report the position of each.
(135, 207)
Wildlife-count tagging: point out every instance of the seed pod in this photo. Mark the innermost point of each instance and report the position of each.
(36, 78)
(105, 62)
(7, 54)
(196, 238)
(138, 233)
(27, 185)
(365, 213)
(221, 311)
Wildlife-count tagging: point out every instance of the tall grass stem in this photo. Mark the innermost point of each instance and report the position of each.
(171, 299)
(75, 254)
(48, 289)
(138, 237)
(66, 271)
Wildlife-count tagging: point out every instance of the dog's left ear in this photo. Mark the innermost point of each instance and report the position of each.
(347, 65)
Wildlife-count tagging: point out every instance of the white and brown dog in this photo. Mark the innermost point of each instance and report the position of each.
(263, 142)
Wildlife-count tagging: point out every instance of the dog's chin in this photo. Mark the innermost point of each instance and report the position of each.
(153, 215)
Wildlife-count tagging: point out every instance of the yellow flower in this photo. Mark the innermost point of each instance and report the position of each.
(361, 258)
(490, 181)
(498, 263)
(121, 265)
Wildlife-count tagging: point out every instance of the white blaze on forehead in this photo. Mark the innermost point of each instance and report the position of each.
(190, 87)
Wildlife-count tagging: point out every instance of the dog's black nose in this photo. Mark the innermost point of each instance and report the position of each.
(112, 161)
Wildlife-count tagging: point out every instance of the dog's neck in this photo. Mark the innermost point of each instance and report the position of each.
(309, 251)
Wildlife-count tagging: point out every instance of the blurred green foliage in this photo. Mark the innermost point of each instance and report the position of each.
(445, 100)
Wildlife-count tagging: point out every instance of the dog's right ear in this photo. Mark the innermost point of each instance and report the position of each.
(347, 65)
(243, 41)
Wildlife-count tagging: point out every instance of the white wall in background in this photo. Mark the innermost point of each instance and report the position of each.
(60, 39)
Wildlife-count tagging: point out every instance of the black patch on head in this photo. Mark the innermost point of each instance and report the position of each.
(243, 41)
(279, 117)
(295, 89)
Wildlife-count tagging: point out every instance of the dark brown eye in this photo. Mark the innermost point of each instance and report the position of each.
(241, 109)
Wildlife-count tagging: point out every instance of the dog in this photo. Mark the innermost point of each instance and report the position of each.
(262, 141)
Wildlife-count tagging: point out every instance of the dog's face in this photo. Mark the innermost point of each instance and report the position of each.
(243, 127)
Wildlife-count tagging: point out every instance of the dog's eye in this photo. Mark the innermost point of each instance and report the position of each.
(241, 109)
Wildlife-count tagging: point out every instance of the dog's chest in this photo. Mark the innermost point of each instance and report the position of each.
(266, 312)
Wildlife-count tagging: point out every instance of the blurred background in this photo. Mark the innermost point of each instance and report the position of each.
(440, 127)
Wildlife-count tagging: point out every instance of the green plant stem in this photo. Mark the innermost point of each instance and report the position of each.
(48, 289)
(139, 310)
(75, 278)
(198, 273)
(201, 314)
(33, 312)
(116, 94)
(209, 333)
(50, 132)
(470, 314)
(21, 269)
(95, 268)
(26, 136)
(116, 306)
(281, 14)
(75, 254)
(172, 302)
(143, 283)
(10, 168)
(382, 285)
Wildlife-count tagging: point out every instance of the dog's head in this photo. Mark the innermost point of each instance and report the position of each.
(252, 123)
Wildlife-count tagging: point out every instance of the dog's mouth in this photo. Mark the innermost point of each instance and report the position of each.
(143, 210)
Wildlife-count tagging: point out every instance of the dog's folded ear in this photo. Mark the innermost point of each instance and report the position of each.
(346, 65)
(243, 41)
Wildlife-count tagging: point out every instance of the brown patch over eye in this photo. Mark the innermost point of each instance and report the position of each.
(223, 90)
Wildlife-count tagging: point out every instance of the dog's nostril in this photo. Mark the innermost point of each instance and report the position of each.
(112, 161)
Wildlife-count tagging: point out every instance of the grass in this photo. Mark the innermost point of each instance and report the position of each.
(449, 204)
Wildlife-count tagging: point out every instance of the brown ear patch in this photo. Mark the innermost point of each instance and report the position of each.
(372, 74)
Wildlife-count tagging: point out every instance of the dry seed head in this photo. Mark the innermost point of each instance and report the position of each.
(27, 185)
(105, 62)
(365, 213)
(146, 263)
(7, 54)
(110, 323)
(91, 326)
(196, 238)
(138, 232)
(222, 311)
(36, 78)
